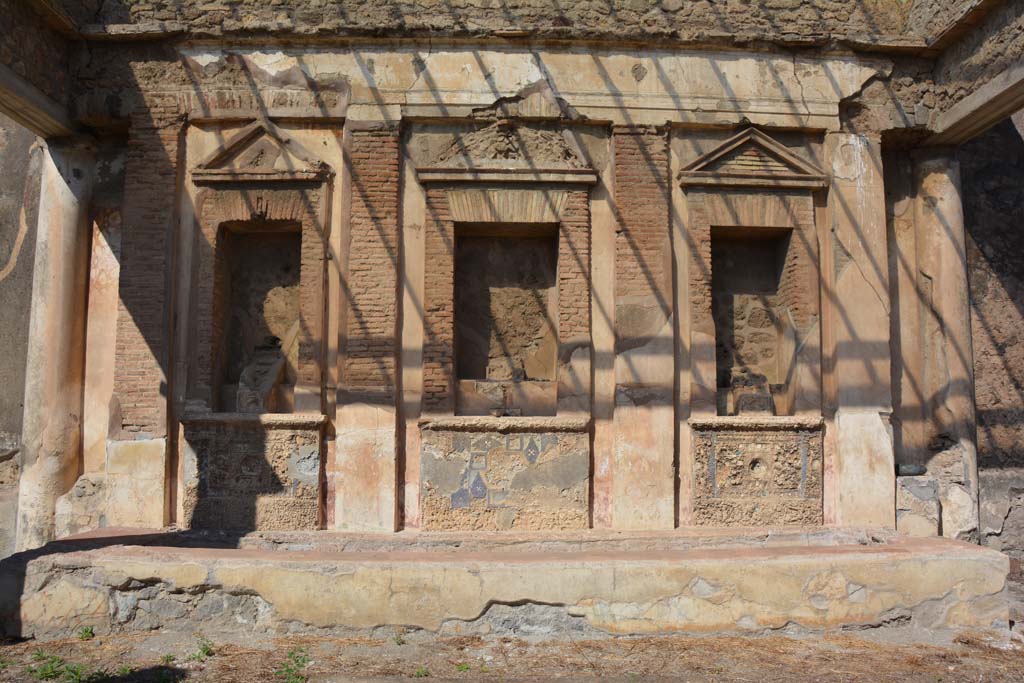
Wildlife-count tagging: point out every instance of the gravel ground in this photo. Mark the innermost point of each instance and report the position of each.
(165, 657)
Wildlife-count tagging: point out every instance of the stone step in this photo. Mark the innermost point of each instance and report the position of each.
(128, 583)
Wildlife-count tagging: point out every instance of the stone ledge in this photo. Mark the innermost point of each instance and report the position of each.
(504, 425)
(934, 584)
(253, 420)
(756, 422)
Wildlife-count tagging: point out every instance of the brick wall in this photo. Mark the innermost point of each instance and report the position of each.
(149, 217)
(438, 304)
(371, 285)
(574, 268)
(642, 198)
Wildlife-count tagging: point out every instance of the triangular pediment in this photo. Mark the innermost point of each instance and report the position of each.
(752, 158)
(507, 145)
(260, 151)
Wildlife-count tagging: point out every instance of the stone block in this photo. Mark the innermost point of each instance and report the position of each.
(84, 507)
(918, 512)
(363, 473)
(865, 470)
(136, 483)
(643, 485)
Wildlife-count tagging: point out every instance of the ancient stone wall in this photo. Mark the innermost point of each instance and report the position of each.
(992, 46)
(929, 18)
(19, 202)
(718, 20)
(991, 167)
(33, 50)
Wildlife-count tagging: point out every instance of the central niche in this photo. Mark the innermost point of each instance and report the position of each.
(263, 264)
(506, 312)
(749, 283)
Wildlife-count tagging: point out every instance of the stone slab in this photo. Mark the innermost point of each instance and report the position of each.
(828, 585)
(865, 470)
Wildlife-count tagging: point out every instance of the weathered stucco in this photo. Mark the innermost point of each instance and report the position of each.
(826, 585)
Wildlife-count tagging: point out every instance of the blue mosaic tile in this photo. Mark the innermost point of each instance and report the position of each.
(532, 450)
(478, 488)
(460, 499)
(485, 443)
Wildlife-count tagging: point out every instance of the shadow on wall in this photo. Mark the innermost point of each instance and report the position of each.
(154, 161)
(19, 203)
(992, 166)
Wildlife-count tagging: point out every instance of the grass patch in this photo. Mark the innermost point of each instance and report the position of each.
(292, 671)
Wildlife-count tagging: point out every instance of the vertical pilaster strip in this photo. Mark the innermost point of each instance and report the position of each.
(644, 482)
(856, 294)
(414, 209)
(438, 306)
(365, 463)
(603, 227)
(51, 432)
(948, 353)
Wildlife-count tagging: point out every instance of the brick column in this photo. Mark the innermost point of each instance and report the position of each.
(52, 437)
(364, 475)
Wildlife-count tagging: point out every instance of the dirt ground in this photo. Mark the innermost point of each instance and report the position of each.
(163, 658)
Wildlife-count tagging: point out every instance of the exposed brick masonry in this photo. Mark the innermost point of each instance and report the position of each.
(642, 196)
(149, 214)
(372, 283)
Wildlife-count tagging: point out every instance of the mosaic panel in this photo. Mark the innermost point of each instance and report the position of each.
(494, 481)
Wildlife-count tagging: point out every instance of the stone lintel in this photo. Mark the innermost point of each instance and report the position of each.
(982, 109)
(506, 175)
(24, 103)
(756, 422)
(258, 420)
(503, 425)
(762, 181)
